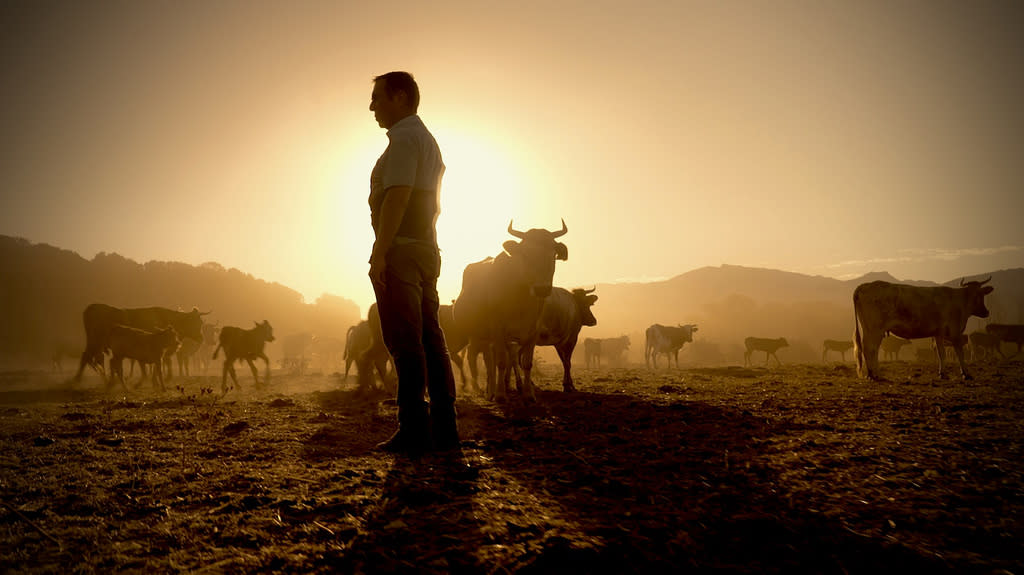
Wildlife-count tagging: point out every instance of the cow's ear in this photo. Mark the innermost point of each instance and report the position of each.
(986, 290)
(591, 299)
(510, 246)
(561, 252)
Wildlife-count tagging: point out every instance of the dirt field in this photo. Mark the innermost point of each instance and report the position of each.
(800, 468)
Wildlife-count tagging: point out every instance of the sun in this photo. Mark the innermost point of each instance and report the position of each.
(481, 192)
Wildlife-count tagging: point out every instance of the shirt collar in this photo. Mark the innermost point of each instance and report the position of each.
(410, 120)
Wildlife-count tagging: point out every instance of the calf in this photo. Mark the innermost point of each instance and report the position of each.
(246, 344)
(984, 344)
(768, 346)
(147, 348)
(891, 346)
(592, 352)
(840, 346)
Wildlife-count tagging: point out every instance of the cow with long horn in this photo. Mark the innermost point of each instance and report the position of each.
(501, 301)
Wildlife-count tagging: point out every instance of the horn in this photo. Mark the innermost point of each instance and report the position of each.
(985, 281)
(514, 232)
(961, 282)
(589, 291)
(561, 233)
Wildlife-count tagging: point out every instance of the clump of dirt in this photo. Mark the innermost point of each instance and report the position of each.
(796, 468)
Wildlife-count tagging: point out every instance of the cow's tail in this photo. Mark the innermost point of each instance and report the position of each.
(216, 350)
(858, 344)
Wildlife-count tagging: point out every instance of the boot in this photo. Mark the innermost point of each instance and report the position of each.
(413, 435)
(444, 427)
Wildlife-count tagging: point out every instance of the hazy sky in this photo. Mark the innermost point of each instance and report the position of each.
(830, 138)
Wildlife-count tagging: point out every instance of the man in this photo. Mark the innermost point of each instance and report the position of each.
(405, 188)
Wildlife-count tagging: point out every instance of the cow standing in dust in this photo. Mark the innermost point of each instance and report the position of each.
(838, 346)
(502, 298)
(246, 344)
(891, 346)
(1008, 332)
(667, 340)
(767, 345)
(147, 348)
(99, 319)
(564, 314)
(914, 312)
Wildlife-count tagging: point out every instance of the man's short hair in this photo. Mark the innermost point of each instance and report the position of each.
(395, 82)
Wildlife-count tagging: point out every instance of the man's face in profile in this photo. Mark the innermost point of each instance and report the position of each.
(385, 109)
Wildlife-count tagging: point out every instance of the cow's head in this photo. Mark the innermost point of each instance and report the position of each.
(976, 296)
(168, 339)
(535, 256)
(265, 331)
(191, 324)
(584, 300)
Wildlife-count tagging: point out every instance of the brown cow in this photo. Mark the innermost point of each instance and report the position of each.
(913, 312)
(768, 346)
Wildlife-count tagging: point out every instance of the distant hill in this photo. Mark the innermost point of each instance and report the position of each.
(44, 289)
(731, 302)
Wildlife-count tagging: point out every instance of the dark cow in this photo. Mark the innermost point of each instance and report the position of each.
(99, 319)
(502, 298)
(891, 346)
(246, 344)
(839, 346)
(564, 314)
(985, 344)
(1008, 332)
(912, 312)
(768, 346)
(147, 348)
(667, 340)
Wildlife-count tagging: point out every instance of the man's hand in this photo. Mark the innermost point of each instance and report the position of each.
(378, 263)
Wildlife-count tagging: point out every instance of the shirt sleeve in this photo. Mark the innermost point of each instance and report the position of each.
(402, 160)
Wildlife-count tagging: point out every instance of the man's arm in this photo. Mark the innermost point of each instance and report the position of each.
(396, 198)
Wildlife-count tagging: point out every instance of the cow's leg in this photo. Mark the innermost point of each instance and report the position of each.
(229, 369)
(501, 360)
(255, 372)
(940, 351)
(565, 354)
(266, 367)
(959, 350)
(526, 360)
(746, 358)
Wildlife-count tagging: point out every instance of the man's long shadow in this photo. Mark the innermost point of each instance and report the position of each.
(425, 513)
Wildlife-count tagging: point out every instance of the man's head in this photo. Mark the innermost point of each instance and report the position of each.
(395, 96)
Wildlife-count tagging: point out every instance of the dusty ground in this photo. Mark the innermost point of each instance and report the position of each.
(798, 468)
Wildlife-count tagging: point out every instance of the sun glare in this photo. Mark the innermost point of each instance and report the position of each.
(481, 192)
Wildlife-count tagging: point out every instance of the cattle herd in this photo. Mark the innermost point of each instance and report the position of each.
(507, 308)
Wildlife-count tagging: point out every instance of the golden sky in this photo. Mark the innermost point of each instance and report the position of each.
(830, 138)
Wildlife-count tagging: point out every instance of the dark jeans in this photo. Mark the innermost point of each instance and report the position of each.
(408, 306)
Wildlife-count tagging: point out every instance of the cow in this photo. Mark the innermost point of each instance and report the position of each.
(502, 298)
(147, 348)
(592, 352)
(562, 317)
(455, 336)
(99, 319)
(891, 346)
(840, 346)
(211, 333)
(611, 348)
(1009, 332)
(910, 312)
(667, 340)
(186, 351)
(246, 344)
(985, 344)
(768, 346)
